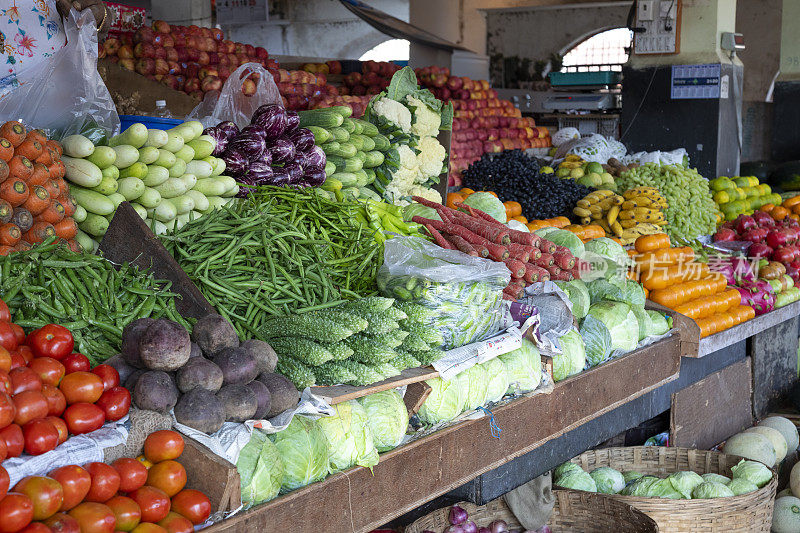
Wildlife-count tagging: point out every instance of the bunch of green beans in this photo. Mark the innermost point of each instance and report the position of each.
(281, 251)
(84, 293)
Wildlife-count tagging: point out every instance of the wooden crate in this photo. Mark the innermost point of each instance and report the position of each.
(211, 474)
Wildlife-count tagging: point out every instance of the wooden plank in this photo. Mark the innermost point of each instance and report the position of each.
(774, 354)
(129, 239)
(415, 396)
(343, 393)
(211, 474)
(359, 500)
(686, 327)
(695, 420)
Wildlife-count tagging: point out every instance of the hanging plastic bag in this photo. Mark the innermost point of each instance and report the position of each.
(232, 104)
(65, 94)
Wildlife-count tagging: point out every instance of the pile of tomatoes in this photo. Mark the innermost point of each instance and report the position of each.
(47, 392)
(143, 495)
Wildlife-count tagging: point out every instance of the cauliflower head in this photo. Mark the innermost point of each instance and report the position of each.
(426, 120)
(408, 158)
(394, 112)
(429, 194)
(431, 157)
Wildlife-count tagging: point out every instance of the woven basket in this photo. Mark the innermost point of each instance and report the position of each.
(574, 512)
(748, 513)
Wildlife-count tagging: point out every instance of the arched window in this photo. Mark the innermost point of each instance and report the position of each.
(391, 50)
(607, 50)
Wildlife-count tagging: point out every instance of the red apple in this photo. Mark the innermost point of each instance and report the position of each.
(242, 58)
(160, 53)
(203, 59)
(126, 38)
(144, 35)
(776, 239)
(179, 41)
(170, 54)
(207, 71)
(230, 47)
(170, 81)
(192, 85)
(192, 70)
(145, 66)
(197, 95)
(217, 34)
(213, 58)
(143, 49)
(127, 64)
(262, 53)
(210, 45)
(183, 54)
(162, 67)
(111, 46)
(181, 81)
(161, 26)
(168, 41)
(211, 83)
(206, 32)
(248, 87)
(125, 52)
(174, 67)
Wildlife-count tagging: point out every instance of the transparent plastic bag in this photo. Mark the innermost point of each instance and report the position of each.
(565, 134)
(464, 292)
(232, 104)
(65, 94)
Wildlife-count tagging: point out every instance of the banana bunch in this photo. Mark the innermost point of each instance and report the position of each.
(597, 205)
(640, 214)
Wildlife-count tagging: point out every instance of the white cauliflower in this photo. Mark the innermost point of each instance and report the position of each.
(408, 158)
(429, 194)
(394, 112)
(426, 120)
(430, 158)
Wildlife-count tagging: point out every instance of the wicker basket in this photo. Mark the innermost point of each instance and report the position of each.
(750, 513)
(574, 512)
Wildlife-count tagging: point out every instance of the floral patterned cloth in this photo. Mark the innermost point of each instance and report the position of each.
(30, 32)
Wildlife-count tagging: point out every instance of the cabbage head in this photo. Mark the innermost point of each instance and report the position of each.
(717, 478)
(523, 368)
(446, 400)
(544, 232)
(631, 475)
(387, 417)
(639, 487)
(711, 489)
(497, 380)
(621, 323)
(577, 480)
(578, 295)
(752, 471)
(663, 489)
(608, 480)
(614, 256)
(572, 360)
(349, 438)
(418, 210)
(517, 225)
(596, 339)
(642, 319)
(565, 468)
(477, 382)
(489, 204)
(684, 482)
(303, 448)
(562, 237)
(260, 469)
(741, 485)
(659, 324)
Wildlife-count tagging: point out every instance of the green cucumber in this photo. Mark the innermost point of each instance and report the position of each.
(166, 159)
(135, 135)
(137, 170)
(349, 125)
(171, 188)
(103, 157)
(348, 179)
(106, 186)
(339, 134)
(182, 204)
(78, 146)
(374, 159)
(131, 188)
(148, 155)
(126, 155)
(80, 213)
(82, 172)
(321, 135)
(155, 176)
(94, 225)
(200, 200)
(92, 201)
(149, 198)
(163, 212)
(86, 242)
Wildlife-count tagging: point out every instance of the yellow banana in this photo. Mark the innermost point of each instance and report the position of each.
(616, 228)
(628, 223)
(581, 212)
(604, 224)
(612, 214)
(626, 214)
(586, 220)
(583, 203)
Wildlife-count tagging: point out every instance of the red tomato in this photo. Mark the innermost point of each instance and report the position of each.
(63, 523)
(81, 387)
(126, 511)
(17, 512)
(132, 473)
(7, 410)
(105, 482)
(75, 481)
(19, 333)
(25, 352)
(56, 403)
(115, 403)
(169, 476)
(192, 504)
(147, 527)
(48, 369)
(23, 378)
(3, 451)
(5, 314)
(175, 523)
(163, 445)
(5, 359)
(108, 374)
(83, 418)
(45, 493)
(17, 360)
(4, 482)
(15, 442)
(76, 362)
(61, 427)
(94, 517)
(8, 339)
(51, 340)
(35, 527)
(5, 382)
(40, 436)
(153, 503)
(30, 405)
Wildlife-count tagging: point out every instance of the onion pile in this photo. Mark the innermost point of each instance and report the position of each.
(272, 150)
(460, 523)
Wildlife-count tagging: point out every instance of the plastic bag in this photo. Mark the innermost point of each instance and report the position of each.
(232, 104)
(464, 292)
(565, 134)
(593, 148)
(65, 94)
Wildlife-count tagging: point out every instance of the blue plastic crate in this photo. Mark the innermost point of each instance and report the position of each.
(153, 123)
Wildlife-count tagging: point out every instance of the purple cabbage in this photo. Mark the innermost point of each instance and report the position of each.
(235, 161)
(314, 157)
(282, 150)
(272, 118)
(295, 172)
(228, 128)
(220, 139)
(251, 145)
(313, 177)
(302, 138)
(292, 121)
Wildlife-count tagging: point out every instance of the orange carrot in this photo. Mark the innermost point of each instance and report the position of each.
(14, 191)
(13, 131)
(66, 229)
(54, 213)
(38, 200)
(39, 232)
(9, 234)
(29, 148)
(20, 167)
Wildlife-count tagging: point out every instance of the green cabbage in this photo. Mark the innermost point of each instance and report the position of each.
(753, 472)
(642, 319)
(260, 469)
(562, 237)
(489, 204)
(639, 487)
(544, 232)
(523, 368)
(621, 323)
(349, 438)
(477, 382)
(663, 489)
(717, 478)
(497, 379)
(387, 417)
(418, 210)
(684, 482)
(608, 480)
(631, 475)
(303, 449)
(572, 360)
(741, 485)
(614, 256)
(517, 225)
(711, 489)
(565, 468)
(446, 400)
(659, 324)
(596, 339)
(602, 289)
(578, 295)
(577, 480)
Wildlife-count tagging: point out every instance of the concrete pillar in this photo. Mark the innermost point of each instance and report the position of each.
(790, 43)
(439, 17)
(183, 12)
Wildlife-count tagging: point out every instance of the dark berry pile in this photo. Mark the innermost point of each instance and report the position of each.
(515, 176)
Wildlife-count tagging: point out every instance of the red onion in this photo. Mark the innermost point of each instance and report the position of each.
(469, 527)
(484, 530)
(498, 526)
(454, 529)
(457, 515)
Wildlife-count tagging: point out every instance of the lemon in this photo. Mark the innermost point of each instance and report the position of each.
(547, 170)
(576, 173)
